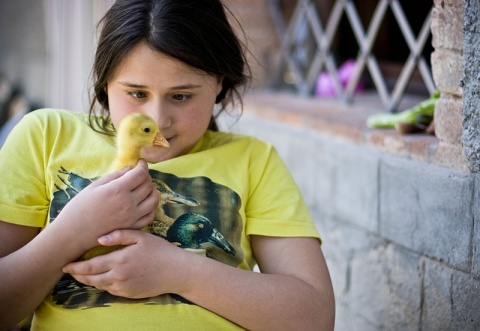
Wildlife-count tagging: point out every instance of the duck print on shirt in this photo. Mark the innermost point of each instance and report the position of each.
(193, 213)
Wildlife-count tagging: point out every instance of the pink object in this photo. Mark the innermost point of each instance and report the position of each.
(325, 86)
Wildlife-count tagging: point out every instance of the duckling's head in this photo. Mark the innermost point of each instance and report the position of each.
(137, 131)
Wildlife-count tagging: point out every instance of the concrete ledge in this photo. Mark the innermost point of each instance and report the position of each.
(346, 122)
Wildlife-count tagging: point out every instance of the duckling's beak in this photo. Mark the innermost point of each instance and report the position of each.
(160, 141)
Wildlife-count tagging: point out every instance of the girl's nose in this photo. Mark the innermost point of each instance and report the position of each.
(160, 115)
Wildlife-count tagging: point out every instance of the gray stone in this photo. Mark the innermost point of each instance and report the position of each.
(386, 287)
(476, 231)
(471, 85)
(451, 299)
(427, 209)
(351, 175)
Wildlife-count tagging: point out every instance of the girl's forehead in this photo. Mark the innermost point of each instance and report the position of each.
(142, 60)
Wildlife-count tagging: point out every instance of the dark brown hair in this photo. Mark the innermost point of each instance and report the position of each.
(196, 32)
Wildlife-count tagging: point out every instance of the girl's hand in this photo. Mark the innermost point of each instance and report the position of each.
(124, 199)
(147, 266)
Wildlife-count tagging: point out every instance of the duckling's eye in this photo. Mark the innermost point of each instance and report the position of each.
(147, 130)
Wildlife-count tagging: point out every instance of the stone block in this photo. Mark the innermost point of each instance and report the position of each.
(388, 140)
(421, 147)
(448, 120)
(427, 209)
(443, 3)
(447, 70)
(342, 242)
(301, 161)
(348, 176)
(447, 25)
(476, 231)
(451, 299)
(385, 287)
(347, 319)
(452, 156)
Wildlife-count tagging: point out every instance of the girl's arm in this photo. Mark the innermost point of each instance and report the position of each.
(31, 262)
(30, 265)
(293, 292)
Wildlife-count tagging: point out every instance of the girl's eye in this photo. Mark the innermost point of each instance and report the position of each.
(138, 94)
(181, 97)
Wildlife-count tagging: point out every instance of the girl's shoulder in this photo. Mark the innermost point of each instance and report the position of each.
(52, 116)
(50, 113)
(216, 139)
(61, 120)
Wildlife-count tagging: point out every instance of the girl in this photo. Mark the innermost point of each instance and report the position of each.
(227, 200)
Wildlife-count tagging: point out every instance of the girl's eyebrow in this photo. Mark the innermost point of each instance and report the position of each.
(178, 87)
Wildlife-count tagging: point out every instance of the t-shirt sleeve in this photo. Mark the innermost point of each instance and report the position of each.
(23, 198)
(275, 206)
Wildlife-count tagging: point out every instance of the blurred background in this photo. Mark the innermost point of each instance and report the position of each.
(46, 47)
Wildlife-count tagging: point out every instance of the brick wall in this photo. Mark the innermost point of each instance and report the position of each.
(447, 68)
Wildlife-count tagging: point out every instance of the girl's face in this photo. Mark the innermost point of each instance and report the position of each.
(179, 98)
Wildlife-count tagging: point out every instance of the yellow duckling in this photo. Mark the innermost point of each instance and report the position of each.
(135, 132)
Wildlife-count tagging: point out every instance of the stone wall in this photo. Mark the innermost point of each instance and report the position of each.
(471, 85)
(400, 236)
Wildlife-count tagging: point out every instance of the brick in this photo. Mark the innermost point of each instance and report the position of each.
(388, 140)
(451, 156)
(427, 209)
(447, 70)
(448, 120)
(447, 26)
(443, 3)
(421, 147)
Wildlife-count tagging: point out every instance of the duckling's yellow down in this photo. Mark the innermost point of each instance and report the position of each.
(135, 132)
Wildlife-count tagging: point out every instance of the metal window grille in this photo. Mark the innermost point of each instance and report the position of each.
(306, 49)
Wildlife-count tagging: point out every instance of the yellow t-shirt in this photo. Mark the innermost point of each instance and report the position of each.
(234, 185)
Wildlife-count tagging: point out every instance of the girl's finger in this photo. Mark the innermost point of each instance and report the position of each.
(121, 237)
(148, 205)
(97, 265)
(136, 176)
(110, 177)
